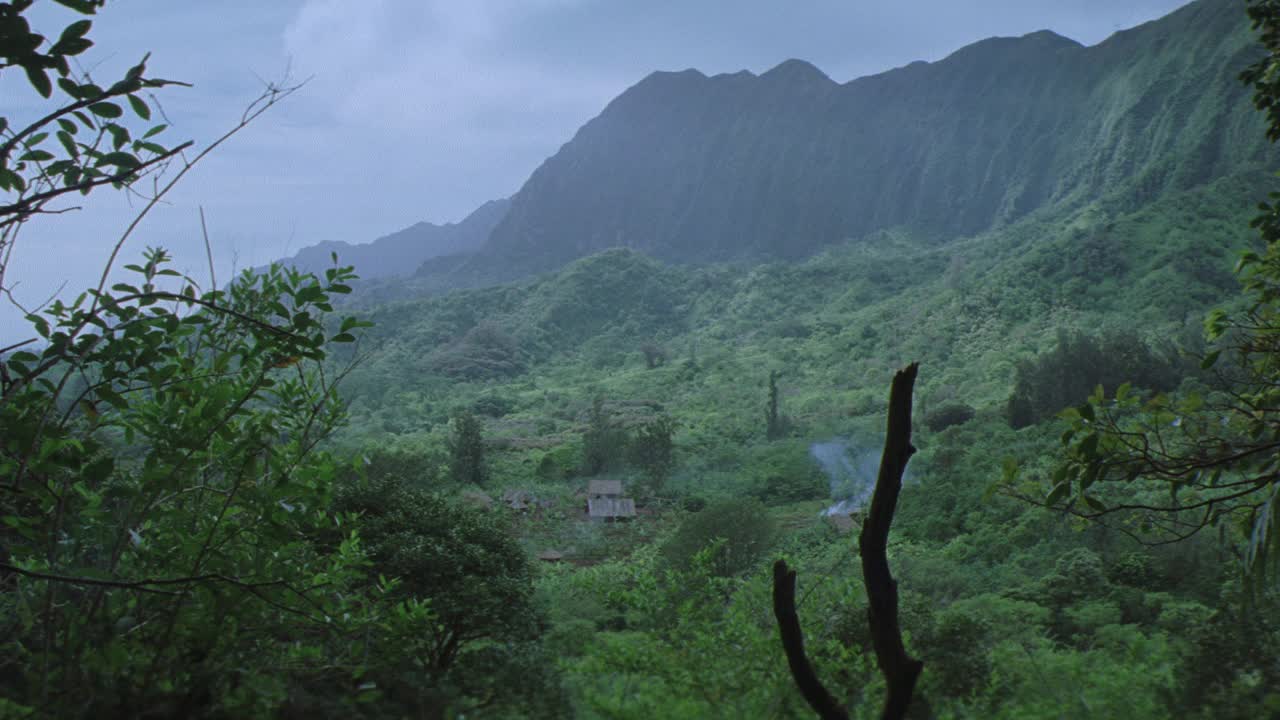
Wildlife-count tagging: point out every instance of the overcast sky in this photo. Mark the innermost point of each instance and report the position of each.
(424, 109)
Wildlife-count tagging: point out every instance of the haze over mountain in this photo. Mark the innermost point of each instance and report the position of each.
(401, 252)
(690, 168)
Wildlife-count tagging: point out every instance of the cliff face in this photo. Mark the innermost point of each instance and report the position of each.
(692, 168)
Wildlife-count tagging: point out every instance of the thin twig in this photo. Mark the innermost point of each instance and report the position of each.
(208, 251)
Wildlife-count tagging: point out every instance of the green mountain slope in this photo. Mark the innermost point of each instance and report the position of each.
(840, 321)
(686, 167)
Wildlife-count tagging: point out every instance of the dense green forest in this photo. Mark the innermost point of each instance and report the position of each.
(308, 495)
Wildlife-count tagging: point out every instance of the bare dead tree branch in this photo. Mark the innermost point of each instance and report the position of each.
(900, 670)
(784, 609)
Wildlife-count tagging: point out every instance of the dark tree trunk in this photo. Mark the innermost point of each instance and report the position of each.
(900, 670)
(784, 609)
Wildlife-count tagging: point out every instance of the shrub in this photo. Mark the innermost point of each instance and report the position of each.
(603, 443)
(494, 406)
(784, 472)
(654, 355)
(558, 463)
(476, 584)
(744, 527)
(947, 415)
(1068, 374)
(155, 510)
(652, 450)
(418, 467)
(485, 351)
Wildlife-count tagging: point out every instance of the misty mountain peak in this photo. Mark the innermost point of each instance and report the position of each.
(796, 71)
(1049, 37)
(1039, 44)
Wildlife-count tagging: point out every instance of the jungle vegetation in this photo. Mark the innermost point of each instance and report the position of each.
(299, 495)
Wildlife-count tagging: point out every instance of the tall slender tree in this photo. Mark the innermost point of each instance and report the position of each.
(466, 450)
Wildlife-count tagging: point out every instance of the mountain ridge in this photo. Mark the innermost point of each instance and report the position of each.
(688, 167)
(401, 252)
(691, 168)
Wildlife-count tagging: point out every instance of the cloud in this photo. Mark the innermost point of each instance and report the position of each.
(442, 68)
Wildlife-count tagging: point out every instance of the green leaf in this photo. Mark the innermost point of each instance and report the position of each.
(39, 79)
(1086, 412)
(107, 395)
(125, 87)
(140, 108)
(149, 147)
(68, 144)
(1210, 360)
(1059, 492)
(108, 110)
(1088, 448)
(119, 136)
(311, 293)
(121, 160)
(343, 338)
(99, 469)
(1094, 505)
(77, 29)
(71, 47)
(1009, 469)
(1215, 324)
(136, 72)
(1060, 475)
(154, 131)
(80, 91)
(84, 7)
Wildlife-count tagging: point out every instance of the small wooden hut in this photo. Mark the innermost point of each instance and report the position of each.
(843, 523)
(605, 501)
